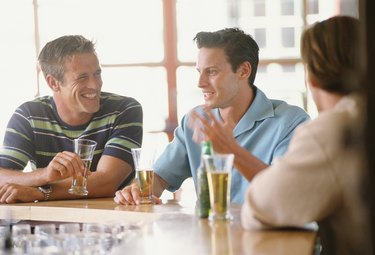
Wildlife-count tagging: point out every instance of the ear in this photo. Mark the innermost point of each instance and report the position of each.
(244, 70)
(311, 81)
(53, 83)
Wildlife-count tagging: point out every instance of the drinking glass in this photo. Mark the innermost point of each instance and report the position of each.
(85, 148)
(219, 167)
(143, 162)
(20, 232)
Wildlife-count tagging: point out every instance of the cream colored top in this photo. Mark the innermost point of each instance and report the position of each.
(318, 179)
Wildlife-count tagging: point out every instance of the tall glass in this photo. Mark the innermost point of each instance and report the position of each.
(219, 168)
(143, 162)
(85, 148)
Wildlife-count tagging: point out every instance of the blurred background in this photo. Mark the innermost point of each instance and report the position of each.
(147, 51)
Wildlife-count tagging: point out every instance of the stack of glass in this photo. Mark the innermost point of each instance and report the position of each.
(64, 239)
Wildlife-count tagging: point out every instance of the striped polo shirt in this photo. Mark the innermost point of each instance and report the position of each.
(35, 132)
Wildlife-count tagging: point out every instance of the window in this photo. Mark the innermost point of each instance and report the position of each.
(287, 7)
(312, 7)
(287, 37)
(260, 37)
(259, 7)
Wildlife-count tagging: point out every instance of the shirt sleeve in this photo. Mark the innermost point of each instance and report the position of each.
(127, 133)
(297, 189)
(173, 164)
(18, 145)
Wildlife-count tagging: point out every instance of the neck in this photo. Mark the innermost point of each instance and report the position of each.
(71, 118)
(327, 101)
(237, 110)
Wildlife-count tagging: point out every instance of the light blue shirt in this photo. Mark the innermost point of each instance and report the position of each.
(265, 130)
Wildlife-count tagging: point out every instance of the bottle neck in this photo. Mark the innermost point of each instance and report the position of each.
(206, 148)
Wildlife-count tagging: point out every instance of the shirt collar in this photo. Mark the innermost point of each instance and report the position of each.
(261, 108)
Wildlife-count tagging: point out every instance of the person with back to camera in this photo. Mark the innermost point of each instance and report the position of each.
(321, 176)
(42, 131)
(227, 65)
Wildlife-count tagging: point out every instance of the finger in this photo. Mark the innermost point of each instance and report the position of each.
(135, 196)
(73, 163)
(3, 189)
(119, 198)
(59, 163)
(156, 199)
(198, 127)
(213, 120)
(5, 196)
(11, 198)
(76, 162)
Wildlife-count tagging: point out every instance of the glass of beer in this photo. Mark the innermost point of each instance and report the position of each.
(143, 163)
(84, 148)
(219, 168)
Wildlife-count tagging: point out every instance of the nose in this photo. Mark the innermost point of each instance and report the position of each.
(95, 82)
(202, 81)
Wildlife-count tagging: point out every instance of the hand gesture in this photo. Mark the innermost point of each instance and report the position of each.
(220, 133)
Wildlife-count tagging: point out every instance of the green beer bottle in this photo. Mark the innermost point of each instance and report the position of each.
(203, 196)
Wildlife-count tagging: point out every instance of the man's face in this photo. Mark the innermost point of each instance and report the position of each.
(80, 90)
(220, 85)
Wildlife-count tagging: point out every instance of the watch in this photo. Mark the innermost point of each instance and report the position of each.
(46, 190)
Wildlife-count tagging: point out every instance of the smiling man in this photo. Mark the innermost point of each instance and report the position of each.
(41, 132)
(227, 65)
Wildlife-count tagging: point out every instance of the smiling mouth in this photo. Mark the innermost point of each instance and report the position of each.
(207, 94)
(90, 96)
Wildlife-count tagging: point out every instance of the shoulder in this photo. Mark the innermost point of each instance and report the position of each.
(106, 97)
(282, 108)
(337, 120)
(111, 101)
(273, 109)
(37, 105)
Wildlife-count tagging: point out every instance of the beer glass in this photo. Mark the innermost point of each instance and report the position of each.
(219, 167)
(85, 148)
(143, 163)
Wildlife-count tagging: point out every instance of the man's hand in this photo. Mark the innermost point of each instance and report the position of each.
(65, 164)
(130, 195)
(13, 193)
(219, 133)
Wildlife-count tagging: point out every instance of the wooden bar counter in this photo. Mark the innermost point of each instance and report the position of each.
(169, 228)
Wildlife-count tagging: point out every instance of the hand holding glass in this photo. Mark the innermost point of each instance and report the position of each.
(219, 167)
(143, 162)
(84, 148)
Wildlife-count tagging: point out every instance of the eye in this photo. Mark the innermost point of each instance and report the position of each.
(98, 73)
(82, 77)
(212, 71)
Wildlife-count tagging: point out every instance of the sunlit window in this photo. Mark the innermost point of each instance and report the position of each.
(260, 37)
(259, 7)
(287, 37)
(312, 7)
(287, 7)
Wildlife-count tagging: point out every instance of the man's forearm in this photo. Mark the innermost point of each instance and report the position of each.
(34, 178)
(247, 164)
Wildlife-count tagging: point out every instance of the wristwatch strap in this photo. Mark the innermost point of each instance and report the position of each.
(46, 190)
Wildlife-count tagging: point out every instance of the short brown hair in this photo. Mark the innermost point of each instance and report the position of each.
(330, 51)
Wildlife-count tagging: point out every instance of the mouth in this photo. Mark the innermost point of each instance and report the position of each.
(90, 95)
(207, 94)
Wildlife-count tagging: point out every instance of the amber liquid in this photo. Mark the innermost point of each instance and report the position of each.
(219, 185)
(145, 180)
(79, 183)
